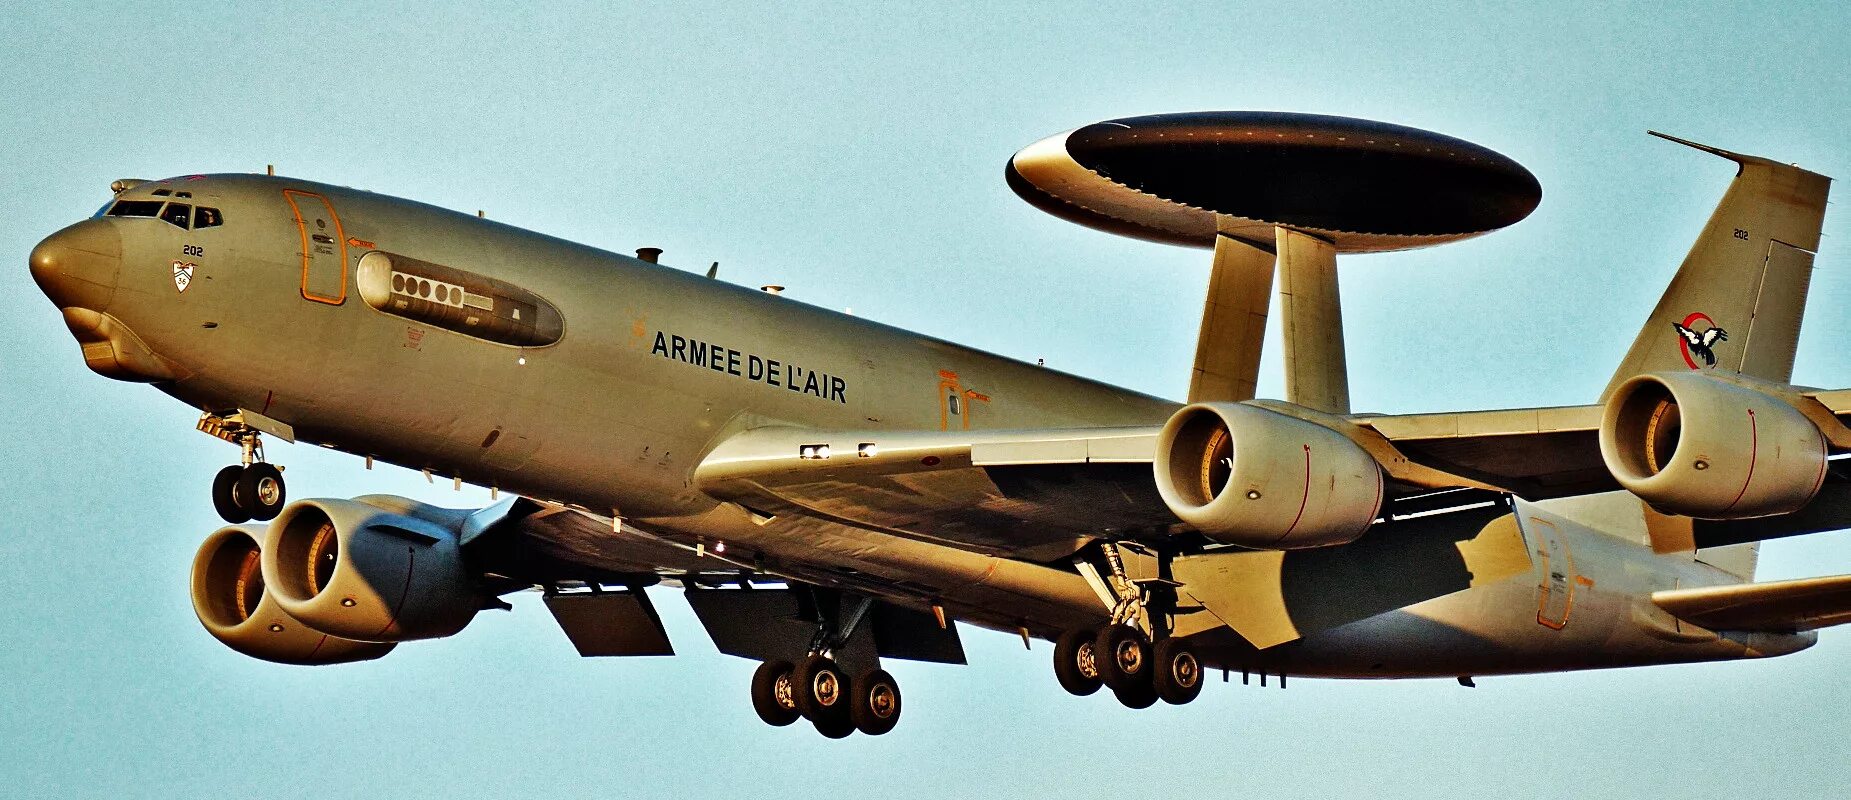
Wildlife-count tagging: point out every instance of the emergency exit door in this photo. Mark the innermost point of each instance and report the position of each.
(1555, 590)
(324, 247)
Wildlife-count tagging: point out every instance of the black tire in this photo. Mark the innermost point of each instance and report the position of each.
(774, 697)
(822, 689)
(1074, 665)
(1137, 695)
(260, 491)
(834, 727)
(1123, 655)
(874, 706)
(225, 495)
(1176, 673)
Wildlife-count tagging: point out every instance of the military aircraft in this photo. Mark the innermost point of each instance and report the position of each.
(830, 492)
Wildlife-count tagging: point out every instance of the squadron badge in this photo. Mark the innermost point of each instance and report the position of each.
(1696, 336)
(183, 275)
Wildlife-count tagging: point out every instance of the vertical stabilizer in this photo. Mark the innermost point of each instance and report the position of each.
(1736, 302)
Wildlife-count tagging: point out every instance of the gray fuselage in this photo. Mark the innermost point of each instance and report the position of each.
(653, 366)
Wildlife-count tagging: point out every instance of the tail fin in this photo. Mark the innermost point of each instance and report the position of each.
(1737, 301)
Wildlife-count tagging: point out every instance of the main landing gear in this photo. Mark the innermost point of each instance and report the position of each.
(1121, 655)
(817, 689)
(1122, 658)
(251, 490)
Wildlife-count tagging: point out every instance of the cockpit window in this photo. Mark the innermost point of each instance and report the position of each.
(204, 217)
(136, 208)
(163, 192)
(177, 214)
(103, 209)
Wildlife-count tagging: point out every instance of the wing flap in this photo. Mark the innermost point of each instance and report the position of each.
(1777, 606)
(611, 623)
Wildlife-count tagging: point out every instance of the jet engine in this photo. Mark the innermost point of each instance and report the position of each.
(1249, 476)
(366, 572)
(230, 599)
(1696, 445)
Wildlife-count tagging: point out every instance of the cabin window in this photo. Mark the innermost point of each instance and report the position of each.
(951, 402)
(136, 208)
(177, 214)
(204, 217)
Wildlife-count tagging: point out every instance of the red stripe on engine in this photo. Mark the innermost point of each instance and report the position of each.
(1302, 501)
(1754, 451)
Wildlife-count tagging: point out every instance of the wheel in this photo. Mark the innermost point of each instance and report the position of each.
(1074, 664)
(774, 697)
(260, 491)
(834, 727)
(822, 689)
(1136, 695)
(1123, 655)
(1176, 674)
(874, 705)
(225, 495)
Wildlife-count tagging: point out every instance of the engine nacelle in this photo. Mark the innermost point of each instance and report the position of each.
(1245, 475)
(363, 572)
(1699, 446)
(231, 602)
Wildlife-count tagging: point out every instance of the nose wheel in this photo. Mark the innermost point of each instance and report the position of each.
(252, 490)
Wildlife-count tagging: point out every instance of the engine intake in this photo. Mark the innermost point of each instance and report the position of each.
(1693, 444)
(360, 571)
(231, 601)
(1249, 476)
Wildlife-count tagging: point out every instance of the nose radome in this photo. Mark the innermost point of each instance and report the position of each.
(77, 267)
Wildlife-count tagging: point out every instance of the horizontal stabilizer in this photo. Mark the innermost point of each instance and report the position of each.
(1776, 607)
(1739, 158)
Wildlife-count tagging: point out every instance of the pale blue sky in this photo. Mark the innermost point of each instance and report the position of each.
(855, 154)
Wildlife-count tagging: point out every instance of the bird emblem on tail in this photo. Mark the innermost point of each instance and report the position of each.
(1698, 344)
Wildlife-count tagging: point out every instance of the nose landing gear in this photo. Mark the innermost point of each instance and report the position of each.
(252, 489)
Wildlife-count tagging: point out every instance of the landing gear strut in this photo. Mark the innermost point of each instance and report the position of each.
(1121, 655)
(252, 489)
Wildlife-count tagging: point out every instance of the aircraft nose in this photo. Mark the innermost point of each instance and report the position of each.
(77, 267)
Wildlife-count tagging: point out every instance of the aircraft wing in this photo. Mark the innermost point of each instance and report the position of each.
(1037, 494)
(1835, 401)
(1535, 453)
(1042, 494)
(1778, 606)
